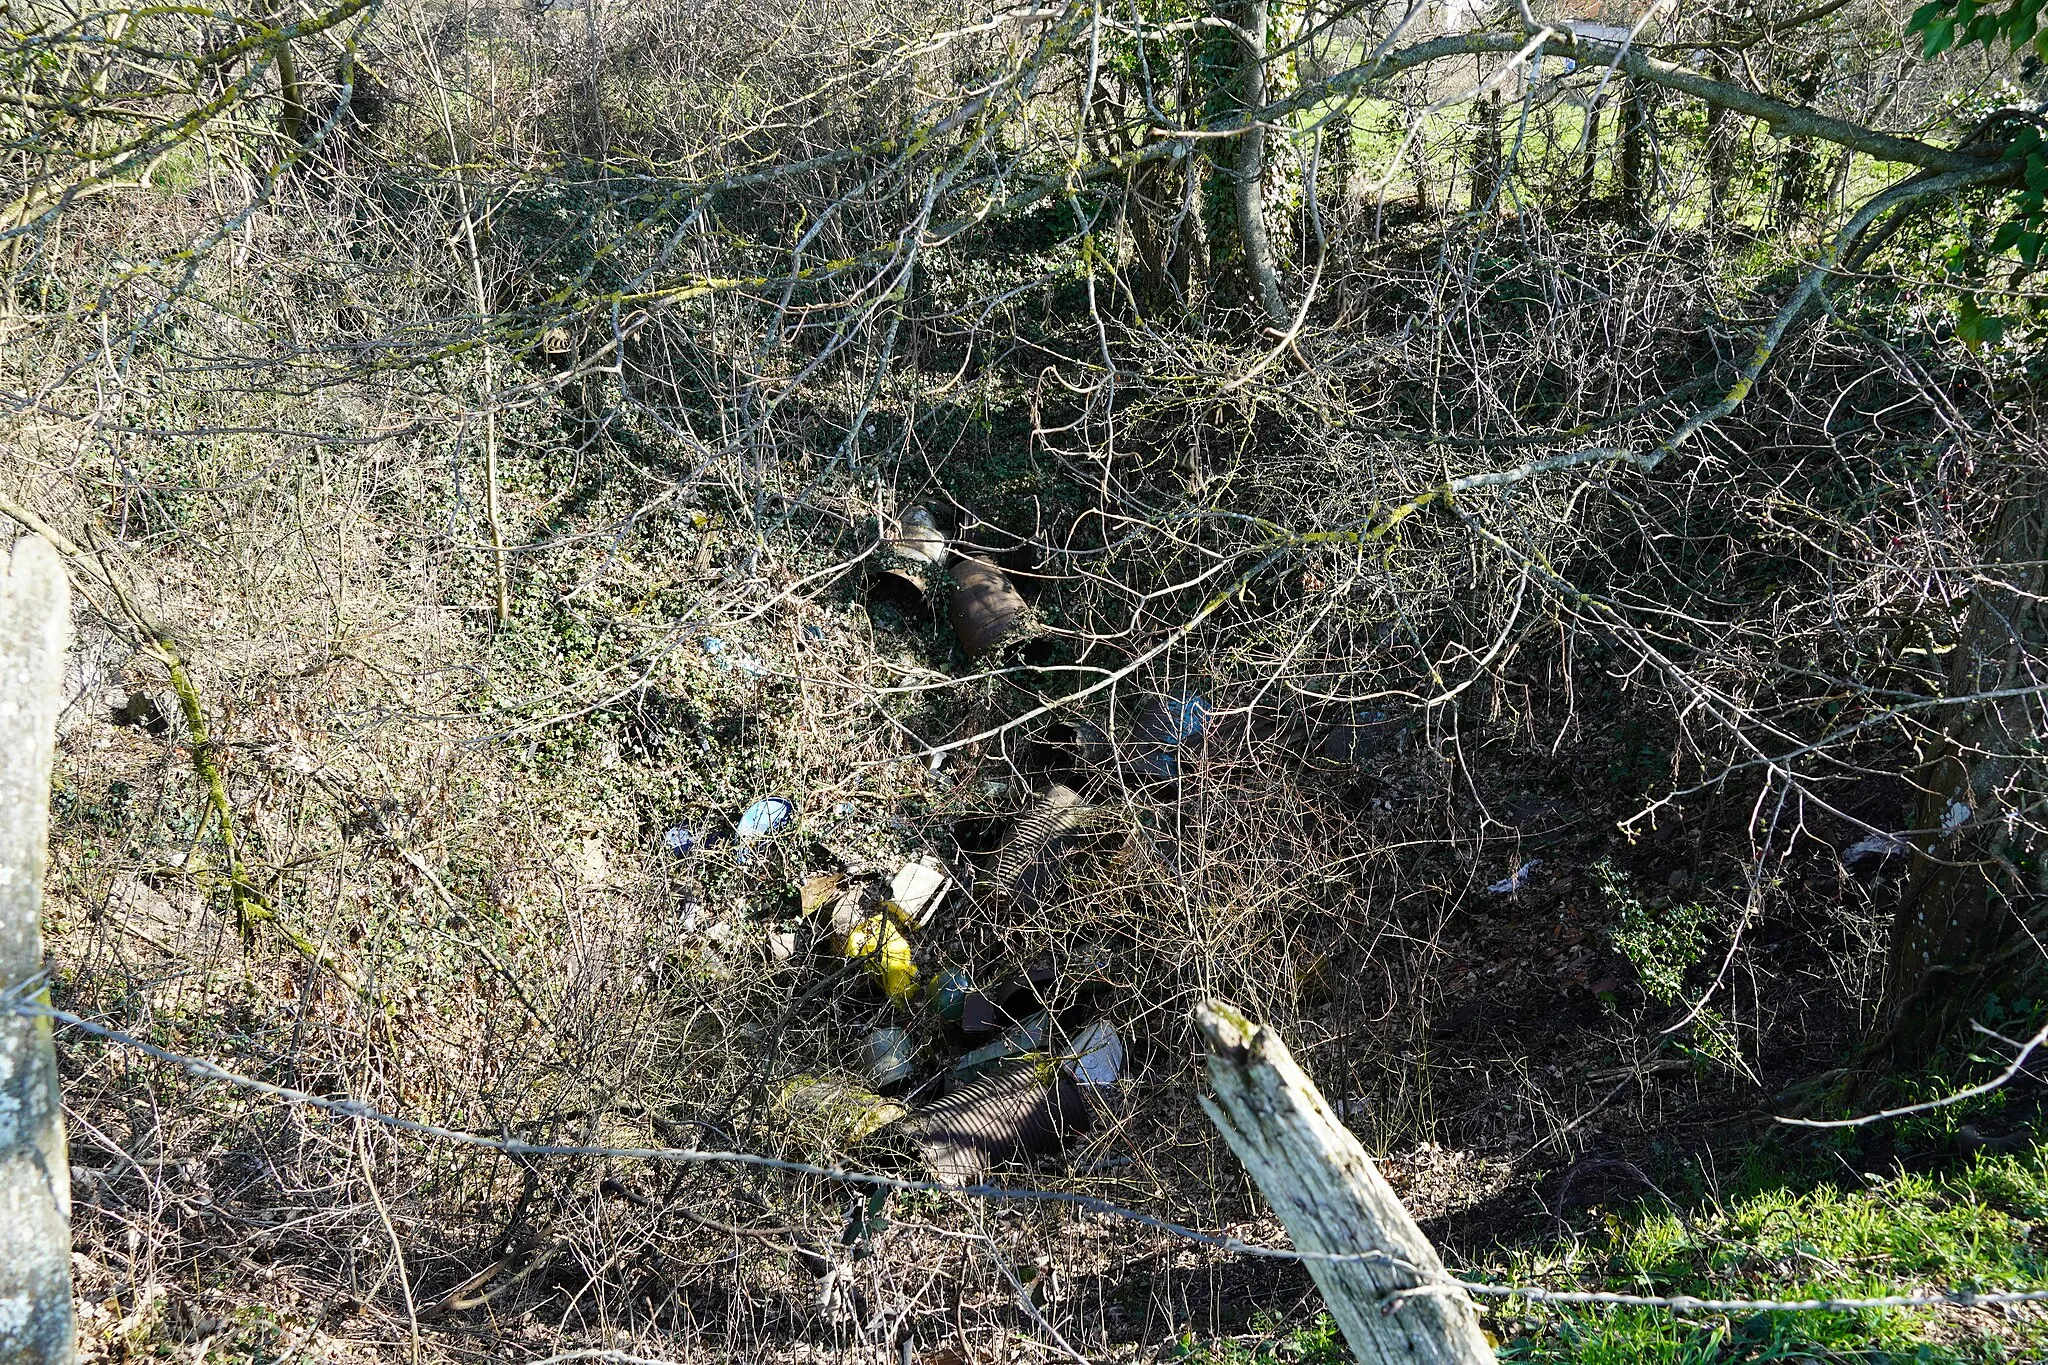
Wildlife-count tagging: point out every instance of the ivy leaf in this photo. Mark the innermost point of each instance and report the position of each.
(1976, 328)
(2007, 236)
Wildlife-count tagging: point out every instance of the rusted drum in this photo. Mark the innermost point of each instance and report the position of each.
(918, 538)
(908, 560)
(987, 612)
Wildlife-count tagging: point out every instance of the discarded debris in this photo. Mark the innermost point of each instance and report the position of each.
(1959, 814)
(821, 889)
(138, 709)
(734, 660)
(1027, 860)
(918, 537)
(1166, 725)
(1096, 1057)
(986, 611)
(1366, 733)
(948, 993)
(757, 822)
(887, 1054)
(849, 908)
(918, 889)
(983, 1012)
(679, 839)
(880, 941)
(1155, 844)
(996, 1118)
(1516, 880)
(1180, 718)
(908, 561)
(1873, 846)
(1027, 1036)
(763, 818)
(834, 1110)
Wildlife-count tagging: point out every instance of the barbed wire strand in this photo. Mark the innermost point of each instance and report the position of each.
(356, 1109)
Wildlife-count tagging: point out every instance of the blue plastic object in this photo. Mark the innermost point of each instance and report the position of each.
(764, 817)
(1186, 715)
(1169, 723)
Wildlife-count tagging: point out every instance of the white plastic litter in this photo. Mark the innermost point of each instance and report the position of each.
(734, 660)
(1516, 880)
(1098, 1055)
(919, 887)
(1872, 846)
(1959, 814)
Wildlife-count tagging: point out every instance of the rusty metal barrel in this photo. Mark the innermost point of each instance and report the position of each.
(986, 609)
(909, 561)
(918, 540)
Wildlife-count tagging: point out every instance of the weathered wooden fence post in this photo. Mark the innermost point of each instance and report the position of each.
(35, 1180)
(1333, 1199)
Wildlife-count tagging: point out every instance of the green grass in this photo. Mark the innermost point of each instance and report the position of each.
(1972, 1228)
(1978, 1226)
(1315, 1342)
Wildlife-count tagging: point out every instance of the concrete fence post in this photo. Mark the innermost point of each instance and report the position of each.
(1405, 1310)
(36, 1326)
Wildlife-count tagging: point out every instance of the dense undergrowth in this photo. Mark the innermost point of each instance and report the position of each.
(1531, 815)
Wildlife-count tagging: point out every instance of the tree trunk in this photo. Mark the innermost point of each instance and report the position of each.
(1635, 139)
(1418, 159)
(1795, 176)
(1962, 928)
(1587, 184)
(1341, 179)
(1720, 155)
(1486, 152)
(1155, 237)
(1795, 166)
(1249, 170)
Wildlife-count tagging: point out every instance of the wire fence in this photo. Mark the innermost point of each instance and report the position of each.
(15, 1002)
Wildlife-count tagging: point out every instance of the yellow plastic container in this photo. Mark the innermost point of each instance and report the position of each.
(881, 942)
